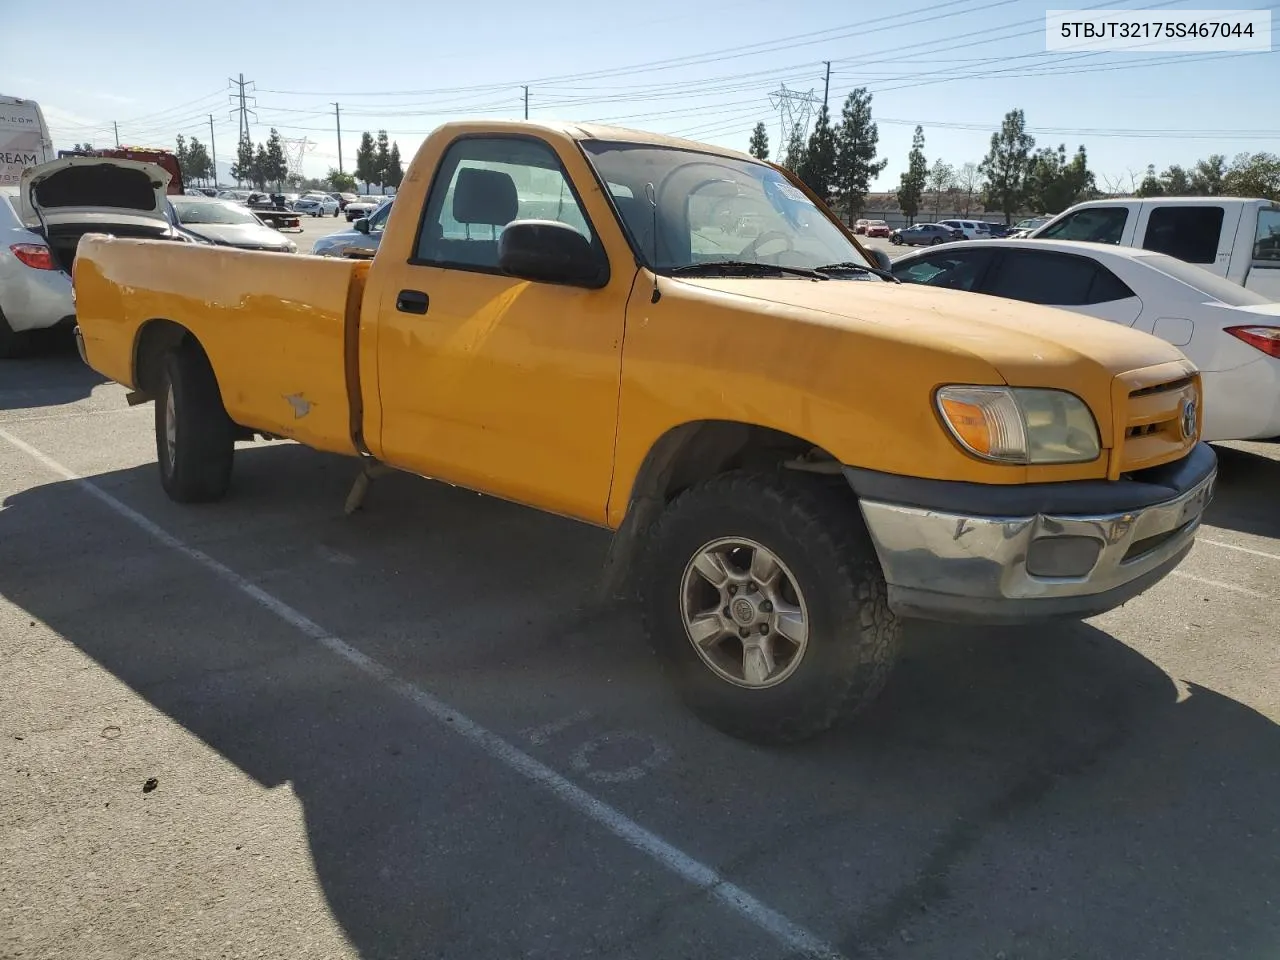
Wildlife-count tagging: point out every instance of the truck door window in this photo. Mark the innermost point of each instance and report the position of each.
(1094, 224)
(1266, 247)
(1053, 279)
(1188, 233)
(484, 184)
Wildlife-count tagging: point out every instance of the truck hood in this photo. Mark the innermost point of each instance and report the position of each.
(1023, 341)
(75, 187)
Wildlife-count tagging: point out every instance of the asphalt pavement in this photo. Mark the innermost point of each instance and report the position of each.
(263, 728)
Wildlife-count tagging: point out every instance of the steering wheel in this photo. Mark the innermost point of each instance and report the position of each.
(764, 238)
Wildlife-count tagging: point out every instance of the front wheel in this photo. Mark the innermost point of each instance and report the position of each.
(764, 598)
(935, 241)
(195, 439)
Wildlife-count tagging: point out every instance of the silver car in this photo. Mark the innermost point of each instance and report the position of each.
(360, 241)
(316, 204)
(35, 294)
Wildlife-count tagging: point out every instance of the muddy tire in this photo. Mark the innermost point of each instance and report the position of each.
(195, 439)
(763, 597)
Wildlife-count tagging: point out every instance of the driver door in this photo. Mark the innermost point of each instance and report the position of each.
(491, 382)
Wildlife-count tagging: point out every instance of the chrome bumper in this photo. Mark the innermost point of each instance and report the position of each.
(957, 567)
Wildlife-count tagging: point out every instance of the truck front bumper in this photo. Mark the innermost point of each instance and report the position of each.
(980, 553)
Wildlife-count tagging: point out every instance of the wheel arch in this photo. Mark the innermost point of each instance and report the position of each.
(689, 453)
(155, 338)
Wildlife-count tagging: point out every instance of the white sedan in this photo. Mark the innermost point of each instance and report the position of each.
(316, 204)
(1231, 334)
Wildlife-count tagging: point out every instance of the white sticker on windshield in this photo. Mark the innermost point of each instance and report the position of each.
(789, 192)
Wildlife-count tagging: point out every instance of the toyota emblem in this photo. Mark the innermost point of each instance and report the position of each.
(1190, 419)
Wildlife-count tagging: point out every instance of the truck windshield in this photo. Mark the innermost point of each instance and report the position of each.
(710, 208)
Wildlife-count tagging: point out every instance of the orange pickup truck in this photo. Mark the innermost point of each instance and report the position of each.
(678, 343)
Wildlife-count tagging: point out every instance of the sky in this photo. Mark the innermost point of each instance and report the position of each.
(708, 71)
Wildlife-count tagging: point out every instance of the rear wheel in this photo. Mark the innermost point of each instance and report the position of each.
(195, 439)
(765, 600)
(12, 343)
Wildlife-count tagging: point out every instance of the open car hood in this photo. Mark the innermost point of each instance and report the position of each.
(73, 187)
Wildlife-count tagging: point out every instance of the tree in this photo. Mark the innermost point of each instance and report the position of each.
(198, 166)
(275, 168)
(261, 165)
(911, 185)
(395, 169)
(1177, 182)
(1054, 183)
(941, 176)
(1254, 175)
(1005, 165)
(1150, 185)
(857, 142)
(1206, 177)
(759, 147)
(795, 149)
(818, 165)
(83, 147)
(967, 180)
(382, 160)
(184, 163)
(242, 169)
(341, 181)
(366, 162)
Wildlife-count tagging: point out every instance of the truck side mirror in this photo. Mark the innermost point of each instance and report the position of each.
(550, 252)
(361, 225)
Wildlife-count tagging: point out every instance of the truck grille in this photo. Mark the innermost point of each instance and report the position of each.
(1151, 428)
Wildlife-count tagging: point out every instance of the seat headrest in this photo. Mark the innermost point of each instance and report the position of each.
(484, 197)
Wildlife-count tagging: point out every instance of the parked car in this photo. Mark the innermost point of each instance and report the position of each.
(900, 452)
(343, 198)
(316, 204)
(1232, 237)
(228, 224)
(877, 228)
(860, 226)
(34, 293)
(1231, 334)
(925, 234)
(42, 221)
(361, 240)
(972, 229)
(364, 207)
(998, 231)
(1023, 228)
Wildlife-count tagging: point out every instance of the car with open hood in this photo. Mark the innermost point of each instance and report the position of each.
(54, 205)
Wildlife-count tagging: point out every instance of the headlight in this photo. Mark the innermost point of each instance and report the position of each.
(1020, 424)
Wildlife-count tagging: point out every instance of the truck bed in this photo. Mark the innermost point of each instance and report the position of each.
(300, 314)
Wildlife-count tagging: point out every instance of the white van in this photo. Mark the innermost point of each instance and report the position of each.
(24, 139)
(1234, 237)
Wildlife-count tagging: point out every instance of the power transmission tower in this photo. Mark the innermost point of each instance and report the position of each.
(794, 109)
(242, 108)
(295, 149)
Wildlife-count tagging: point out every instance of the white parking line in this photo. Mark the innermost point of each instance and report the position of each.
(1232, 546)
(1222, 585)
(672, 858)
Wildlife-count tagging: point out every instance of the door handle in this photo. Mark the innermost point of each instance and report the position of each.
(412, 301)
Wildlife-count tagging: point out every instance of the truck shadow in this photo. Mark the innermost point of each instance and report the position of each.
(1122, 819)
(51, 375)
(1246, 495)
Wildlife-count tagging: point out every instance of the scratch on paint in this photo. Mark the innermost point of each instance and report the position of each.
(301, 405)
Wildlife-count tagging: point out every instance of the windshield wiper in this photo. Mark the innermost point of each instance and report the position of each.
(857, 268)
(744, 266)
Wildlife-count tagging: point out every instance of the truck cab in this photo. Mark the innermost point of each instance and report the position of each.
(1233, 237)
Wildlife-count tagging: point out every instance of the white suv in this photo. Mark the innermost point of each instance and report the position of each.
(972, 229)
